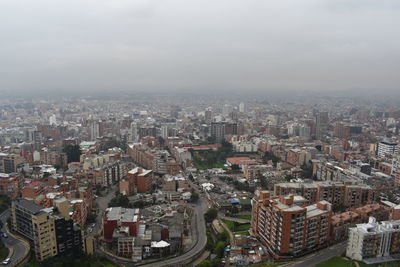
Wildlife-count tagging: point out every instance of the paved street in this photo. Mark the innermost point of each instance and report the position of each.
(102, 204)
(200, 236)
(320, 256)
(18, 246)
(200, 209)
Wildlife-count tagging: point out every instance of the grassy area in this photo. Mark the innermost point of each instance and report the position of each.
(237, 227)
(207, 160)
(3, 253)
(242, 233)
(341, 262)
(243, 217)
(212, 159)
(337, 262)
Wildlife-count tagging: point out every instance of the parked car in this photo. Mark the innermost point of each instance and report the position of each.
(5, 235)
(6, 261)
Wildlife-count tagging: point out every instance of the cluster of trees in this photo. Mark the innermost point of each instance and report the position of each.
(263, 182)
(114, 143)
(194, 197)
(119, 200)
(217, 246)
(212, 159)
(271, 156)
(211, 215)
(91, 218)
(72, 260)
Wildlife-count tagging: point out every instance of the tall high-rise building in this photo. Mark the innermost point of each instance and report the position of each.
(341, 130)
(226, 110)
(218, 131)
(242, 107)
(53, 120)
(134, 132)
(305, 131)
(164, 131)
(208, 115)
(321, 125)
(94, 130)
(49, 233)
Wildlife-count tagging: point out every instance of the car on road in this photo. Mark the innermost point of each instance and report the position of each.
(6, 261)
(5, 235)
(93, 225)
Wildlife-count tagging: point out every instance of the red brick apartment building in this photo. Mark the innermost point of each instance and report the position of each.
(336, 193)
(287, 227)
(10, 184)
(138, 180)
(120, 217)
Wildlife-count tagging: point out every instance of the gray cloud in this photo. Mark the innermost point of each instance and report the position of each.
(183, 44)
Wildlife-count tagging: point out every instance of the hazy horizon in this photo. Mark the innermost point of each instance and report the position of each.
(200, 46)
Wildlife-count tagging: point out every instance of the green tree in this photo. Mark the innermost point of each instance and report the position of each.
(73, 153)
(119, 201)
(91, 218)
(114, 143)
(211, 215)
(194, 197)
(271, 156)
(219, 249)
(223, 236)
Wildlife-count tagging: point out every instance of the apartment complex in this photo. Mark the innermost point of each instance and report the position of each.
(336, 193)
(49, 233)
(159, 161)
(10, 184)
(385, 148)
(374, 242)
(138, 180)
(9, 163)
(340, 223)
(119, 219)
(287, 226)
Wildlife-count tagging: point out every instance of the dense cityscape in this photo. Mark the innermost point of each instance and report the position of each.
(212, 182)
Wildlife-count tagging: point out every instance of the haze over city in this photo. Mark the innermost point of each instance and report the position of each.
(300, 46)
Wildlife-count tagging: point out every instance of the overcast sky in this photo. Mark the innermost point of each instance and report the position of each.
(317, 45)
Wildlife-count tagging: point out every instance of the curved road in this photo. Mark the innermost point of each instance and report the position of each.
(19, 247)
(200, 209)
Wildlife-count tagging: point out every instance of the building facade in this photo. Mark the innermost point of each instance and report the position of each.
(287, 227)
(374, 242)
(49, 234)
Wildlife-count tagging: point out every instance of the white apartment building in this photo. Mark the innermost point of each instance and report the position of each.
(374, 242)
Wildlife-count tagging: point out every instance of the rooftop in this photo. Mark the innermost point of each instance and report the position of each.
(28, 205)
(122, 214)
